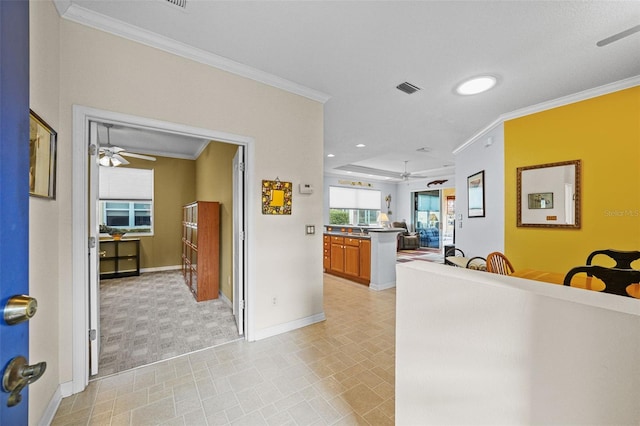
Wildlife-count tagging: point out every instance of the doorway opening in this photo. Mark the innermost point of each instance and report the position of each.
(427, 217)
(434, 217)
(157, 299)
(85, 163)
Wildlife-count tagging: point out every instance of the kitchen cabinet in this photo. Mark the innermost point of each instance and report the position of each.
(348, 257)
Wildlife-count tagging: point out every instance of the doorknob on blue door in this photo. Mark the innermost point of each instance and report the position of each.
(18, 375)
(20, 308)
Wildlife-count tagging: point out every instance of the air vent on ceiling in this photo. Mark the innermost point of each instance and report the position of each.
(179, 3)
(407, 88)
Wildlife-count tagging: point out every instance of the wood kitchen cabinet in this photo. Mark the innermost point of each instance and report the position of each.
(348, 257)
(365, 260)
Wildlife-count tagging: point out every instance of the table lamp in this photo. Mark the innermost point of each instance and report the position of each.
(383, 220)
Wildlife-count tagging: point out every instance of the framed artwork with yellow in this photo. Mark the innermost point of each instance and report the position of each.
(276, 197)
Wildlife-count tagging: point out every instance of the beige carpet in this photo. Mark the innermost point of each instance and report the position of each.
(154, 317)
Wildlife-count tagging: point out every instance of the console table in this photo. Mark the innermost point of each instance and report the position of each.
(119, 258)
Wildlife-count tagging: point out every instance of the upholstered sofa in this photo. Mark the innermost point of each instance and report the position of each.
(406, 240)
(429, 237)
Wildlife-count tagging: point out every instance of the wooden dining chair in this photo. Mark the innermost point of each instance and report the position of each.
(623, 259)
(616, 280)
(498, 263)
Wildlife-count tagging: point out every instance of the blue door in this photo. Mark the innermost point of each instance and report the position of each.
(14, 188)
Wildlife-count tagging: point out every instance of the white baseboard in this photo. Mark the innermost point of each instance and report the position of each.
(383, 286)
(289, 326)
(224, 298)
(161, 268)
(63, 390)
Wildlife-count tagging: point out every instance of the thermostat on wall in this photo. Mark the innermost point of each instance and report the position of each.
(306, 188)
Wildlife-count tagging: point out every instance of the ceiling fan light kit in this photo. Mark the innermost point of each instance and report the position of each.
(112, 156)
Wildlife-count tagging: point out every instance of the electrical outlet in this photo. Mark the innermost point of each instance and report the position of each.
(275, 300)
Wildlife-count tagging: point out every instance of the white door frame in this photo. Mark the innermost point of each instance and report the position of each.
(80, 197)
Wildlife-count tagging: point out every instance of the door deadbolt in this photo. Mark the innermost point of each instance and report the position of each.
(18, 375)
(20, 308)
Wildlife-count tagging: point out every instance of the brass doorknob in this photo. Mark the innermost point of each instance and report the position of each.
(20, 308)
(18, 375)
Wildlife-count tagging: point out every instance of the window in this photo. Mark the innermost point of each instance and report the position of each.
(126, 214)
(126, 199)
(351, 206)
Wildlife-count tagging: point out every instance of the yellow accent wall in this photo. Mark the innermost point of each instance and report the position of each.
(173, 187)
(603, 132)
(214, 174)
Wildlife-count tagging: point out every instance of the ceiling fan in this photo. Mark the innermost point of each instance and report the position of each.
(113, 156)
(406, 175)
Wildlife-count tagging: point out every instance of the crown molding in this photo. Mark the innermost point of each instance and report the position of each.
(555, 103)
(83, 16)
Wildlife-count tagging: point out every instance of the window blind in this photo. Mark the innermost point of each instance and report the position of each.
(118, 183)
(352, 198)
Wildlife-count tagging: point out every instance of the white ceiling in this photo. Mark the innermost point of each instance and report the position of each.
(151, 142)
(356, 52)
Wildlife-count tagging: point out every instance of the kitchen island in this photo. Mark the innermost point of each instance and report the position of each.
(366, 255)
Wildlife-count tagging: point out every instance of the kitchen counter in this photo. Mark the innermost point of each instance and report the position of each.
(366, 255)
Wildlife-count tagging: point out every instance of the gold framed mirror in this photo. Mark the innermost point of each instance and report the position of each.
(549, 195)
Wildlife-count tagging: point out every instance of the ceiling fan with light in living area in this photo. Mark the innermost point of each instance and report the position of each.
(406, 175)
(113, 156)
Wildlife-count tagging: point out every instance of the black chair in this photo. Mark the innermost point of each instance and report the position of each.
(616, 280)
(623, 258)
(452, 251)
(478, 263)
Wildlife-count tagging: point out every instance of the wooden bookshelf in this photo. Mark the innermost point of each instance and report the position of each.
(201, 249)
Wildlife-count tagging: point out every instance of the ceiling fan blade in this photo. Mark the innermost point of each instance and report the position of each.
(620, 35)
(140, 156)
(119, 158)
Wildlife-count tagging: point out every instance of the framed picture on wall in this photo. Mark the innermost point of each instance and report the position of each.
(475, 189)
(42, 157)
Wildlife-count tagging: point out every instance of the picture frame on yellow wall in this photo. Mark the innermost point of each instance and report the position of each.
(549, 195)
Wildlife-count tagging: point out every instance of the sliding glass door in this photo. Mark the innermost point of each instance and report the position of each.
(427, 217)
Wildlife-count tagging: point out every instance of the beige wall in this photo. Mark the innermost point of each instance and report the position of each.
(102, 71)
(214, 183)
(173, 187)
(44, 255)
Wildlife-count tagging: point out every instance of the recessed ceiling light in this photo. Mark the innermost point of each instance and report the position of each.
(330, 155)
(360, 145)
(476, 85)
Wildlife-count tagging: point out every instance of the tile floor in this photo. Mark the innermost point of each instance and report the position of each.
(337, 372)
